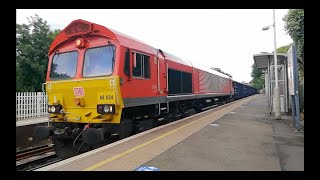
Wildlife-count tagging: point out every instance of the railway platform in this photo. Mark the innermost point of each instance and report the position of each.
(31, 121)
(241, 135)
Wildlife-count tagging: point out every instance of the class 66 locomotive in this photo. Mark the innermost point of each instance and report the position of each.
(103, 85)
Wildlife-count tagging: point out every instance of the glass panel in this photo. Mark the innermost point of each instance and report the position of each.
(127, 63)
(64, 65)
(146, 66)
(281, 87)
(98, 61)
(280, 72)
(136, 71)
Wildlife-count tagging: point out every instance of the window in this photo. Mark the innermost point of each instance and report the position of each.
(127, 63)
(98, 61)
(64, 65)
(142, 66)
(179, 82)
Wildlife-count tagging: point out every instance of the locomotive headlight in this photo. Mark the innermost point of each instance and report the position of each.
(106, 109)
(52, 109)
(100, 109)
(78, 42)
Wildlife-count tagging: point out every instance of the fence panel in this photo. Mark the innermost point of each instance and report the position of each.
(31, 105)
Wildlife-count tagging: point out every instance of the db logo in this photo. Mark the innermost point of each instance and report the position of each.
(78, 91)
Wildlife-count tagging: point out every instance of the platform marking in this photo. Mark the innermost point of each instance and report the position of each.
(86, 154)
(95, 166)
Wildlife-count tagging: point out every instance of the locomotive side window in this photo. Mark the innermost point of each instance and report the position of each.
(64, 65)
(98, 61)
(137, 65)
(127, 63)
(141, 66)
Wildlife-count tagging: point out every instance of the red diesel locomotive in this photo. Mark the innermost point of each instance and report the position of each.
(102, 83)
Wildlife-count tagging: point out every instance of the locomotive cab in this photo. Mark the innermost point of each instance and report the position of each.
(82, 84)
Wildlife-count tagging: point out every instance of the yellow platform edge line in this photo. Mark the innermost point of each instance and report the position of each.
(95, 166)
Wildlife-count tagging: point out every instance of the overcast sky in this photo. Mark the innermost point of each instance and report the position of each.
(221, 38)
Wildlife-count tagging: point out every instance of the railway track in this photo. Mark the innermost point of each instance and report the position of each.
(36, 157)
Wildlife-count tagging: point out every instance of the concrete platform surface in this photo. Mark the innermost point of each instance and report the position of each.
(132, 152)
(246, 139)
(239, 136)
(30, 121)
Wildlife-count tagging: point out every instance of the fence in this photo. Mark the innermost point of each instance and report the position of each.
(31, 105)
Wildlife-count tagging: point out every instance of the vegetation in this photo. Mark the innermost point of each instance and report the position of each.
(32, 45)
(257, 78)
(283, 49)
(294, 25)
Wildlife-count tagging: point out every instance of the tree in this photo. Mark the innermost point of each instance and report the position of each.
(256, 73)
(32, 45)
(294, 25)
(257, 79)
(283, 49)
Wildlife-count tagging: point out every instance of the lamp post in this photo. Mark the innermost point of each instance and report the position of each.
(276, 92)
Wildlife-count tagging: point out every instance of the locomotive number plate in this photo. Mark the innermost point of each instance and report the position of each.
(106, 97)
(78, 91)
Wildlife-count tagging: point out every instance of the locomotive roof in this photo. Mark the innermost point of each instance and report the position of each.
(134, 43)
(205, 68)
(82, 27)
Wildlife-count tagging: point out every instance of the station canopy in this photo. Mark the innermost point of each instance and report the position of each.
(261, 60)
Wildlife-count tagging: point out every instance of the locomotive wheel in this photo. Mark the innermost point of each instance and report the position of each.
(198, 107)
(126, 127)
(155, 122)
(64, 149)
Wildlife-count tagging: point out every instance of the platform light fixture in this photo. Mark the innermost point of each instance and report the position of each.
(276, 91)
